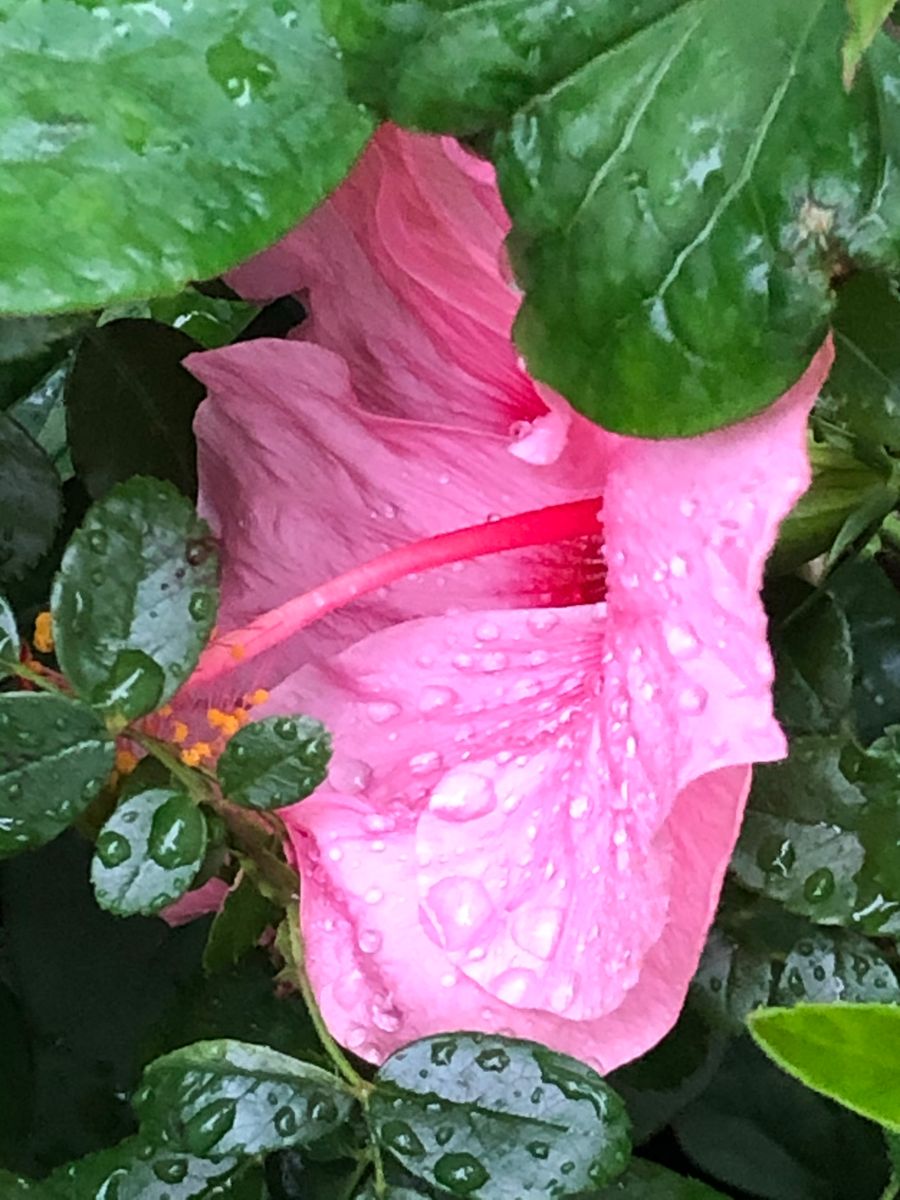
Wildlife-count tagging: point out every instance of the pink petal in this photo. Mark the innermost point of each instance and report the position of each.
(301, 483)
(206, 899)
(406, 278)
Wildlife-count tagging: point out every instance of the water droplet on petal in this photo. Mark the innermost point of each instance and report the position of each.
(433, 698)
(381, 711)
(463, 796)
(487, 631)
(460, 907)
(579, 807)
(542, 622)
(693, 699)
(370, 941)
(537, 930)
(682, 641)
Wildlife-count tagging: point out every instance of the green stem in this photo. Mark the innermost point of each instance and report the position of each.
(179, 770)
(893, 1188)
(23, 672)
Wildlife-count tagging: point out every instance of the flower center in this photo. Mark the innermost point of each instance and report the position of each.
(543, 526)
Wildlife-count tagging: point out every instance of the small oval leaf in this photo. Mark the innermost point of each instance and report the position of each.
(148, 852)
(54, 757)
(275, 761)
(139, 575)
(231, 1097)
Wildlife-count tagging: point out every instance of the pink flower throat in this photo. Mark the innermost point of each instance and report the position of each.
(542, 526)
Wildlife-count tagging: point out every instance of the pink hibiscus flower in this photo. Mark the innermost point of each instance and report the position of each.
(539, 646)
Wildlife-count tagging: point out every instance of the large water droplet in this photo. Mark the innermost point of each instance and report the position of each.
(463, 796)
(203, 1131)
(693, 700)
(177, 834)
(433, 698)
(539, 1150)
(682, 641)
(537, 930)
(460, 1173)
(493, 1059)
(113, 849)
(244, 74)
(402, 1139)
(285, 1122)
(201, 606)
(381, 711)
(819, 885)
(171, 1170)
(460, 907)
(370, 941)
(776, 855)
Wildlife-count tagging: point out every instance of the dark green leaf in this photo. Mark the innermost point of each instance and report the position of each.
(843, 494)
(54, 758)
(292, 1176)
(188, 136)
(10, 644)
(138, 1170)
(832, 965)
(871, 605)
(850, 1052)
(866, 17)
(665, 1080)
(139, 575)
(13, 1186)
(275, 761)
(32, 346)
(241, 922)
(731, 981)
(647, 1181)
(148, 852)
(16, 1079)
(42, 414)
(862, 394)
(814, 661)
(761, 1133)
(131, 404)
(228, 1097)
(30, 501)
(820, 834)
(685, 178)
(484, 1116)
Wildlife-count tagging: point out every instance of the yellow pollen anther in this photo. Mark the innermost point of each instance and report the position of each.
(43, 633)
(166, 710)
(179, 732)
(237, 651)
(191, 758)
(126, 761)
(260, 696)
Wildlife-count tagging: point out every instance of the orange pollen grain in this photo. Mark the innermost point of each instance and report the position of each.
(180, 732)
(126, 761)
(43, 633)
(237, 651)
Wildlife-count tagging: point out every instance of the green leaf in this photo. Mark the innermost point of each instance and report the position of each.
(42, 414)
(485, 1116)
(189, 137)
(845, 496)
(762, 1134)
(131, 405)
(828, 966)
(814, 668)
(229, 1097)
(871, 605)
(213, 321)
(32, 346)
(731, 981)
(30, 501)
(862, 393)
(647, 1181)
(238, 926)
(685, 179)
(139, 575)
(138, 1170)
(54, 758)
(275, 761)
(148, 852)
(850, 1052)
(866, 18)
(16, 1079)
(10, 644)
(820, 834)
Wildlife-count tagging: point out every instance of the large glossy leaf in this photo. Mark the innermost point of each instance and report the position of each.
(149, 144)
(30, 501)
(849, 1052)
(54, 758)
(275, 761)
(484, 1116)
(130, 406)
(685, 177)
(135, 598)
(228, 1097)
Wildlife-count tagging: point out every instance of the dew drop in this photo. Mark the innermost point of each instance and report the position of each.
(322, 1109)
(460, 907)
(381, 711)
(495, 1059)
(463, 796)
(460, 1174)
(98, 541)
(682, 641)
(819, 885)
(285, 728)
(402, 1139)
(201, 606)
(370, 941)
(539, 1150)
(113, 849)
(433, 698)
(285, 1122)
(693, 700)
(487, 631)
(171, 1170)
